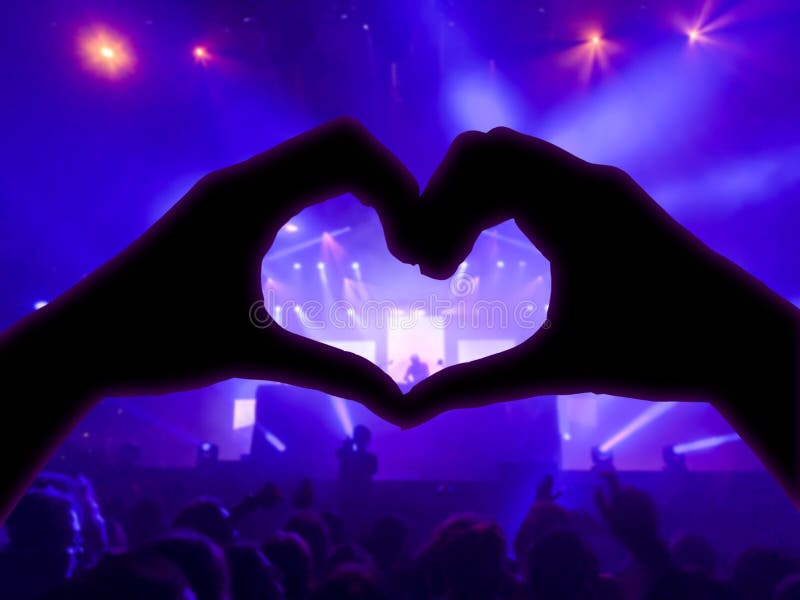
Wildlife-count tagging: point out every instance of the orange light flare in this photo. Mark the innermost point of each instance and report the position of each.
(589, 55)
(697, 35)
(707, 26)
(201, 54)
(105, 52)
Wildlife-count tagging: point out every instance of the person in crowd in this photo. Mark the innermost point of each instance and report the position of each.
(144, 522)
(292, 557)
(560, 565)
(44, 545)
(357, 465)
(310, 526)
(94, 534)
(208, 517)
(386, 543)
(252, 576)
(693, 553)
(212, 519)
(348, 554)
(757, 571)
(199, 560)
(128, 577)
(349, 582)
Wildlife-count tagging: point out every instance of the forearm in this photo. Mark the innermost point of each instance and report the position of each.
(48, 389)
(761, 395)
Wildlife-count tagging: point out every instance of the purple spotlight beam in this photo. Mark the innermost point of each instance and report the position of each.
(705, 443)
(646, 417)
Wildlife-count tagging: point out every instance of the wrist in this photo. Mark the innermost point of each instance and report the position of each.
(760, 397)
(49, 348)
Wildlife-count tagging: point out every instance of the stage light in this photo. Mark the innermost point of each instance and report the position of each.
(566, 436)
(500, 264)
(693, 35)
(646, 417)
(463, 266)
(321, 266)
(275, 441)
(105, 52)
(705, 443)
(522, 264)
(39, 304)
(673, 461)
(244, 413)
(357, 271)
(200, 53)
(291, 228)
(602, 460)
(207, 453)
(596, 40)
(297, 266)
(340, 408)
(297, 309)
(294, 248)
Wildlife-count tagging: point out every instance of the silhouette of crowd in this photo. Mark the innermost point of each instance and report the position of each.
(61, 546)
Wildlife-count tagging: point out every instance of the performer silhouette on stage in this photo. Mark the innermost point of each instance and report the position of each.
(357, 465)
(417, 370)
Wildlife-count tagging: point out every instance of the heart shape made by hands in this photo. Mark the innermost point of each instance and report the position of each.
(173, 311)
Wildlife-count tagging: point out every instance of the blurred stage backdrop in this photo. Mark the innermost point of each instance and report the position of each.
(112, 110)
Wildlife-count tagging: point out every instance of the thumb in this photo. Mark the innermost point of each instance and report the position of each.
(286, 357)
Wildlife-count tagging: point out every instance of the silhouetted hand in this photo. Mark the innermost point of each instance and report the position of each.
(269, 496)
(179, 307)
(632, 517)
(639, 307)
(628, 511)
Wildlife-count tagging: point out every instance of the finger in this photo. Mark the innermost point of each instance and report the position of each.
(290, 358)
(338, 157)
(489, 178)
(539, 366)
(455, 206)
